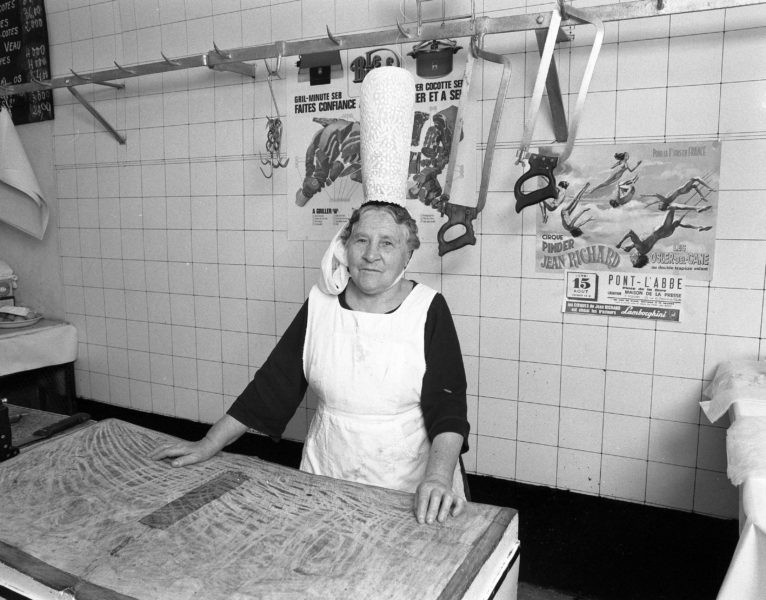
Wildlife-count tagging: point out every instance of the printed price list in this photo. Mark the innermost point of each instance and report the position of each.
(24, 56)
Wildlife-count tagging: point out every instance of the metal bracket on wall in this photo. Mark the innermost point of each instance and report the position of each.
(96, 114)
(219, 60)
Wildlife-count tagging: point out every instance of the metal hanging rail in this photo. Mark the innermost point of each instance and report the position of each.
(234, 59)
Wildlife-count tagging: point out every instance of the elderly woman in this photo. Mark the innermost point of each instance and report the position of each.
(380, 353)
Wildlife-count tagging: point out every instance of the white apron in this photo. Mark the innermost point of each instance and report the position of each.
(367, 372)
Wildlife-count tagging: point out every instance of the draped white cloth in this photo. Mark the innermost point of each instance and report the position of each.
(22, 204)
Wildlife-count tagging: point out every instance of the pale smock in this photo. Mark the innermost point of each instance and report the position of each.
(367, 372)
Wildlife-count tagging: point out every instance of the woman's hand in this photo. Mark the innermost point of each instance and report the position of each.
(434, 499)
(185, 453)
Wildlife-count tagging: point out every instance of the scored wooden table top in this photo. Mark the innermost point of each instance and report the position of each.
(88, 512)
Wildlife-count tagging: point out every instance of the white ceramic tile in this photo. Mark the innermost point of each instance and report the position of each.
(186, 404)
(580, 429)
(672, 442)
(538, 423)
(742, 105)
(210, 376)
(96, 329)
(623, 478)
(697, 22)
(232, 281)
(462, 293)
(499, 338)
(160, 341)
(204, 246)
(119, 391)
(234, 348)
(536, 463)
(235, 378)
(498, 378)
(541, 300)
(695, 59)
(641, 113)
(736, 158)
(231, 247)
(184, 341)
(676, 399)
(732, 228)
(711, 453)
(259, 248)
(582, 388)
(670, 485)
(468, 333)
(501, 255)
(114, 303)
(626, 436)
(500, 297)
(539, 383)
(693, 110)
(261, 317)
(679, 354)
(179, 245)
(642, 29)
(116, 339)
(630, 350)
(719, 348)
(540, 342)
(496, 457)
(260, 283)
(140, 395)
(138, 335)
(157, 276)
(642, 64)
(628, 393)
(499, 216)
(208, 344)
(497, 418)
(735, 312)
(289, 284)
(138, 365)
(584, 346)
(161, 369)
(578, 471)
(210, 407)
(714, 495)
(743, 43)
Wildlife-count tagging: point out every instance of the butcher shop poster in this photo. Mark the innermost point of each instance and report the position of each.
(324, 178)
(635, 208)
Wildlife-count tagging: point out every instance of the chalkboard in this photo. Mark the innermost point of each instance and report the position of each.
(24, 55)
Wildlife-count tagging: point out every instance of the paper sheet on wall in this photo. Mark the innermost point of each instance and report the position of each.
(322, 138)
(633, 207)
(21, 201)
(650, 296)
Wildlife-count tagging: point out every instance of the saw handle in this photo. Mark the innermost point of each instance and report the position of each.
(457, 215)
(539, 166)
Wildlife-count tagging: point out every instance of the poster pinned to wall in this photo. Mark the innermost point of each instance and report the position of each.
(633, 208)
(649, 296)
(322, 139)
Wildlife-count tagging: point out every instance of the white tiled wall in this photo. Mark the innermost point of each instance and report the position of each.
(179, 275)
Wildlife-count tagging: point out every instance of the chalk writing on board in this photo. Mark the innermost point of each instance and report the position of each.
(24, 57)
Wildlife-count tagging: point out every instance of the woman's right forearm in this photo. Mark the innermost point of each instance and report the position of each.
(225, 431)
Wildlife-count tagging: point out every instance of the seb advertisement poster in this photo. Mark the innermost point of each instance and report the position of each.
(322, 140)
(636, 208)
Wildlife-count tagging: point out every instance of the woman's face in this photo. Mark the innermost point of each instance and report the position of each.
(377, 251)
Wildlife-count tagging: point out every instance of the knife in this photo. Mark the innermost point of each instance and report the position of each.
(57, 427)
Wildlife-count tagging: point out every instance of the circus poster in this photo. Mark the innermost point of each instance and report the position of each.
(633, 208)
(324, 177)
